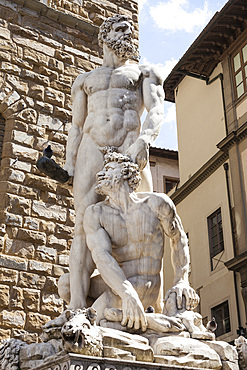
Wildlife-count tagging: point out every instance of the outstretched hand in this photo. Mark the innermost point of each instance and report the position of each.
(133, 313)
(138, 153)
(184, 289)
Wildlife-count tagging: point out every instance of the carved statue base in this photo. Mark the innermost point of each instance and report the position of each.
(80, 344)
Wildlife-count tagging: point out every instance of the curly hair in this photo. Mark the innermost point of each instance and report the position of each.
(106, 26)
(129, 170)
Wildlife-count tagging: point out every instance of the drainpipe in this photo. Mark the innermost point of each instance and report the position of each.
(226, 168)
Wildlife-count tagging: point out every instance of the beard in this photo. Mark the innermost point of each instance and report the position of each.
(106, 185)
(123, 48)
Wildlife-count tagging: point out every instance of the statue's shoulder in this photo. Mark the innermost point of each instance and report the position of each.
(159, 202)
(152, 71)
(79, 82)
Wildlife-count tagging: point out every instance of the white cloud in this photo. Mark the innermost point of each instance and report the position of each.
(173, 15)
(165, 68)
(141, 4)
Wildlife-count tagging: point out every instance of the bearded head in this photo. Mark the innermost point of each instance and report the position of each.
(119, 42)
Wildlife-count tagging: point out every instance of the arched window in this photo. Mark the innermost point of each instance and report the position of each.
(2, 129)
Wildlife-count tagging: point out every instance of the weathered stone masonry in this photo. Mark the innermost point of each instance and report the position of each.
(44, 45)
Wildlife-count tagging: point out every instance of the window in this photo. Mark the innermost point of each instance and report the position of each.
(240, 71)
(216, 242)
(222, 318)
(2, 129)
(169, 184)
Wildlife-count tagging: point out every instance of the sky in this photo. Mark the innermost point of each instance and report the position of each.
(167, 28)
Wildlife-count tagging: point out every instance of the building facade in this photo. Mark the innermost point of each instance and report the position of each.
(44, 45)
(208, 86)
(164, 169)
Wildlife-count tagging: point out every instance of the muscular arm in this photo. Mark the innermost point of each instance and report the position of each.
(153, 100)
(79, 113)
(99, 243)
(180, 257)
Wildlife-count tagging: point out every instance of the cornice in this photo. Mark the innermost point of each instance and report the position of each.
(233, 137)
(199, 177)
(237, 263)
(212, 165)
(56, 15)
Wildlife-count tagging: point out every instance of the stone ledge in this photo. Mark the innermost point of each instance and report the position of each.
(64, 18)
(78, 362)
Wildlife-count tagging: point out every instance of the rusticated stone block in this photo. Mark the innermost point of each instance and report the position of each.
(31, 236)
(64, 57)
(31, 280)
(47, 227)
(10, 319)
(60, 244)
(10, 219)
(31, 299)
(54, 96)
(10, 174)
(50, 212)
(31, 223)
(8, 276)
(35, 130)
(32, 44)
(15, 164)
(27, 192)
(32, 76)
(35, 321)
(21, 137)
(21, 152)
(48, 122)
(35, 57)
(40, 267)
(20, 85)
(36, 91)
(59, 270)
(46, 254)
(19, 248)
(4, 334)
(10, 68)
(18, 205)
(8, 187)
(16, 298)
(13, 262)
(51, 284)
(4, 295)
(56, 64)
(63, 259)
(51, 304)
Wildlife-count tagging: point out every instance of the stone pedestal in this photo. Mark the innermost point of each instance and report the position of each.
(72, 361)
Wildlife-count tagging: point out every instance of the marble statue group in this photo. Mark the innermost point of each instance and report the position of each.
(114, 289)
(120, 223)
(123, 235)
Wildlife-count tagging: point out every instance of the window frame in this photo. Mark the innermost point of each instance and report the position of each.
(243, 65)
(222, 307)
(173, 179)
(210, 236)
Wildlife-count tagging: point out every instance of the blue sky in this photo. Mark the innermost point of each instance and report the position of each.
(167, 29)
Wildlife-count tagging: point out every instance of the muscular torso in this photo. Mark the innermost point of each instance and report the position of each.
(137, 245)
(114, 105)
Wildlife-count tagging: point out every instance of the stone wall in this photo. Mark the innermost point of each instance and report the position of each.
(42, 49)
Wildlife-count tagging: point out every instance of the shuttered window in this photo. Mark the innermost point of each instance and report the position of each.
(2, 129)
